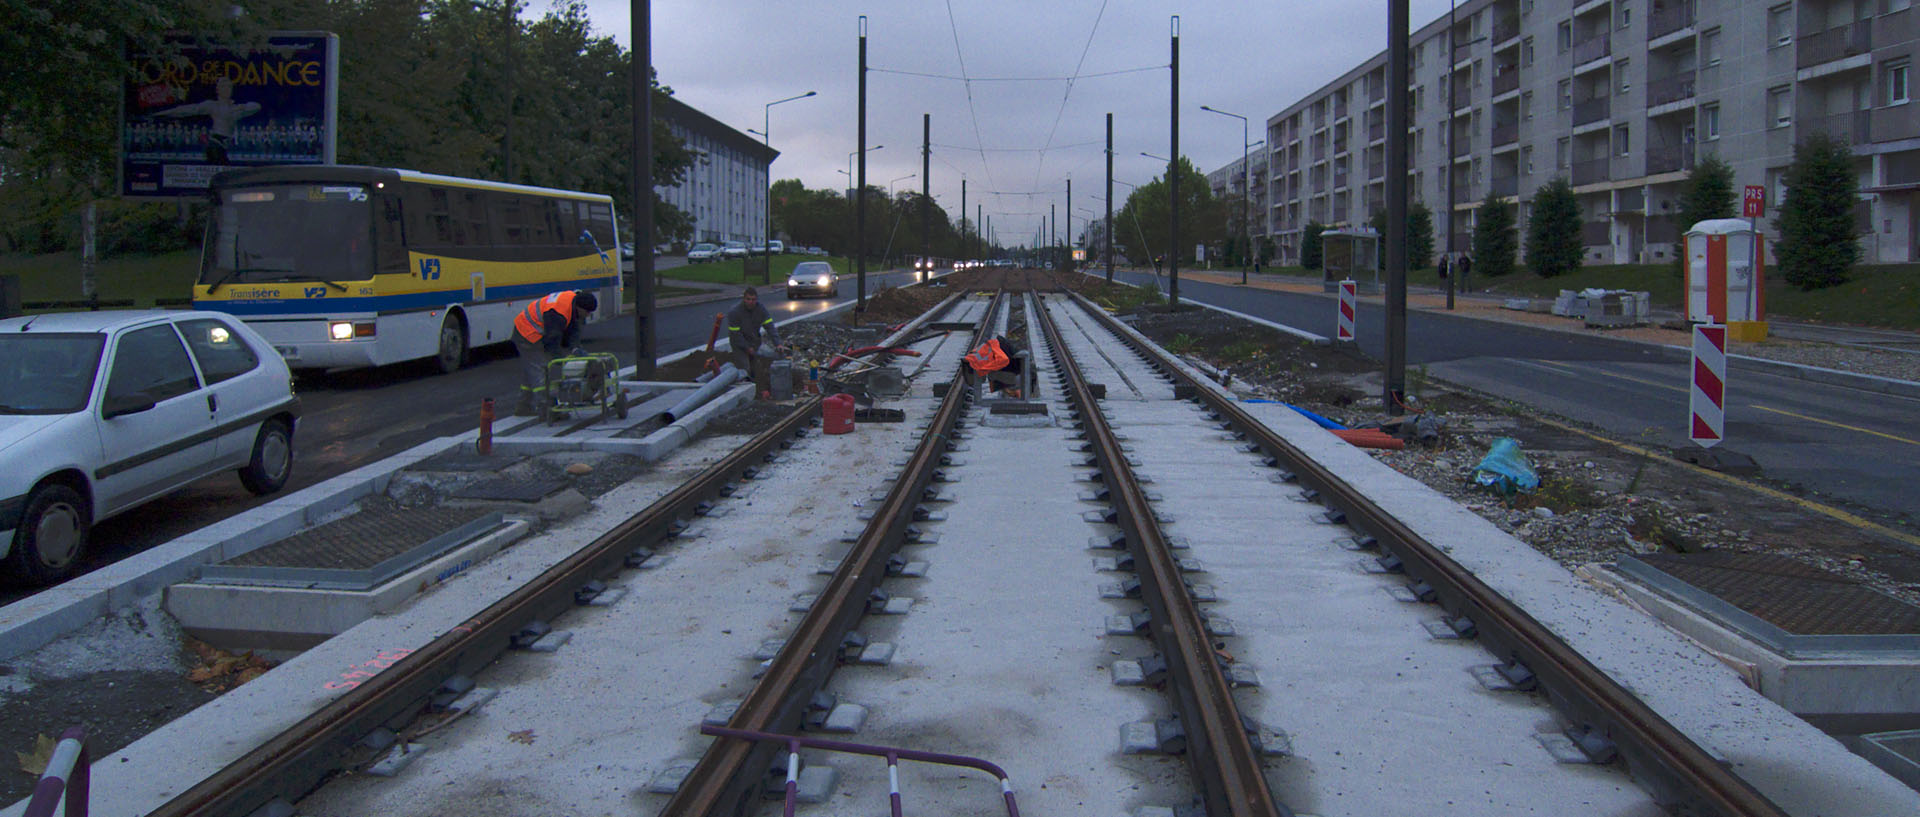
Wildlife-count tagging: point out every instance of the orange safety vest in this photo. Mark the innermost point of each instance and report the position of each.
(530, 323)
(988, 358)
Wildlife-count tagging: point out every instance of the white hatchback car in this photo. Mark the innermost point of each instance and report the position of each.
(101, 411)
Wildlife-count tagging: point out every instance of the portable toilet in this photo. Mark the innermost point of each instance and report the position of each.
(1726, 277)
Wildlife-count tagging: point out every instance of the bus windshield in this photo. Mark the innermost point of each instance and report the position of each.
(295, 232)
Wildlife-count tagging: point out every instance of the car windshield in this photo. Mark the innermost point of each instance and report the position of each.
(293, 232)
(736, 245)
(704, 247)
(48, 373)
(807, 268)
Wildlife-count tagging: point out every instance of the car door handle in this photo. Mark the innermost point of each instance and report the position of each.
(213, 403)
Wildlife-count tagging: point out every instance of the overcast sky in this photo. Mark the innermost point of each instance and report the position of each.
(731, 57)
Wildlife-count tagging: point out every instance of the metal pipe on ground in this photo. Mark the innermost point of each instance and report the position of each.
(728, 375)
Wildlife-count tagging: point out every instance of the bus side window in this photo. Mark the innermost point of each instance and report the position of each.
(567, 220)
(473, 211)
(390, 232)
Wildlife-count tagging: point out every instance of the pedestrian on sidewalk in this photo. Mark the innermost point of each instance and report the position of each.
(546, 329)
(1464, 265)
(747, 322)
(1443, 266)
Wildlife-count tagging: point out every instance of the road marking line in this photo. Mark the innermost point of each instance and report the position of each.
(1825, 510)
(1839, 425)
(1566, 369)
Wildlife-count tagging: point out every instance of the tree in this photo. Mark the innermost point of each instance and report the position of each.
(1707, 193)
(1553, 233)
(1493, 238)
(1419, 236)
(1310, 250)
(1817, 246)
(1147, 213)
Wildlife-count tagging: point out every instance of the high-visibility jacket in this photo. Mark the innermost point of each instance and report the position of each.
(988, 358)
(531, 322)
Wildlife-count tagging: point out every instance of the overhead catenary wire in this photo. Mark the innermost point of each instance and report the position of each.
(1068, 93)
(1095, 75)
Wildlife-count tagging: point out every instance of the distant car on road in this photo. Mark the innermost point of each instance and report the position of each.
(813, 278)
(103, 411)
(816, 251)
(626, 251)
(733, 249)
(703, 252)
(776, 247)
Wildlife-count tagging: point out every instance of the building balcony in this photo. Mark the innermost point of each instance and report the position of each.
(1596, 233)
(1505, 28)
(1376, 170)
(1850, 128)
(1506, 134)
(1506, 81)
(1462, 146)
(1670, 89)
(1669, 160)
(1837, 43)
(1592, 48)
(1668, 20)
(1592, 170)
(1592, 110)
(1505, 185)
(1376, 131)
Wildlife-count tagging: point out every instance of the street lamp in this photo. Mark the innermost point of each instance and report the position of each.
(766, 134)
(850, 161)
(1161, 158)
(1246, 182)
(890, 184)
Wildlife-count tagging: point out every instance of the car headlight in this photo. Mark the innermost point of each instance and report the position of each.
(793, 282)
(340, 330)
(824, 280)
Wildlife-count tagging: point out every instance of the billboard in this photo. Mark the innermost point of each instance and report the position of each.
(199, 110)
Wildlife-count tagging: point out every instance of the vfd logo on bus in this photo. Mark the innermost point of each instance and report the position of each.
(429, 269)
(316, 292)
(1707, 400)
(1344, 329)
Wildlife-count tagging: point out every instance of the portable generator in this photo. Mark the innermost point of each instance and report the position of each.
(581, 384)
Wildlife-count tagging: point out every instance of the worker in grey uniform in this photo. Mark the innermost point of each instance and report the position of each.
(755, 341)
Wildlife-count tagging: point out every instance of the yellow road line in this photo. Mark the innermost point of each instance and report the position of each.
(1825, 510)
(1839, 425)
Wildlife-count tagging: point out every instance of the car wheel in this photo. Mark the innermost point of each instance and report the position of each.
(52, 535)
(453, 345)
(272, 460)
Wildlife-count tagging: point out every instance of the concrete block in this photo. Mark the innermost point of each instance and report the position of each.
(1127, 673)
(38, 619)
(668, 780)
(816, 784)
(552, 642)
(721, 713)
(878, 653)
(396, 759)
(845, 719)
(768, 649)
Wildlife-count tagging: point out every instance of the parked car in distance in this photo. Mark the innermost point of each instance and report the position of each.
(626, 251)
(103, 411)
(703, 252)
(733, 249)
(776, 247)
(813, 278)
(816, 251)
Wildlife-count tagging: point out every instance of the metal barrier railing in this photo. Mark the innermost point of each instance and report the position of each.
(893, 755)
(66, 774)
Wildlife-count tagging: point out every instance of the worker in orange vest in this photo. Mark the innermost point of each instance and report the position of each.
(543, 331)
(1001, 370)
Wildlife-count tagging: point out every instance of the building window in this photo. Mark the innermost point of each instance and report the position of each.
(1526, 106)
(1419, 51)
(1780, 106)
(1526, 7)
(1563, 37)
(1526, 53)
(1622, 143)
(1710, 46)
(1896, 82)
(1566, 94)
(1526, 160)
(1620, 71)
(1710, 122)
(1780, 25)
(1626, 16)
(1560, 150)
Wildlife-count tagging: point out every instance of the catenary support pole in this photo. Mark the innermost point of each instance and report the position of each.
(641, 189)
(926, 186)
(1396, 335)
(966, 246)
(1109, 232)
(860, 185)
(1173, 177)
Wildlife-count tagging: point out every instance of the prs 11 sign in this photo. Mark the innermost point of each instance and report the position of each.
(1753, 201)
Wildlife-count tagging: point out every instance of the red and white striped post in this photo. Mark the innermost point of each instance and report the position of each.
(1708, 398)
(1343, 329)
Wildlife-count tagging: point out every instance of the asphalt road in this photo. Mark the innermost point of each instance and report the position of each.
(1860, 447)
(355, 418)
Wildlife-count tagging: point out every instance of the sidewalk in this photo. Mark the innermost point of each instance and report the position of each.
(1869, 356)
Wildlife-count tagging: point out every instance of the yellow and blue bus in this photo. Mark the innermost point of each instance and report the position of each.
(344, 267)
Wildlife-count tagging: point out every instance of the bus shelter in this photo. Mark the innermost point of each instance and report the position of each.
(1350, 253)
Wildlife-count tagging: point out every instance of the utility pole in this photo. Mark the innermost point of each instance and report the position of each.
(640, 172)
(506, 139)
(1396, 335)
(1067, 263)
(1452, 55)
(860, 186)
(926, 182)
(1109, 233)
(966, 247)
(1173, 177)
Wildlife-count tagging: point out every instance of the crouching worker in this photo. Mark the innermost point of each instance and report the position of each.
(995, 362)
(755, 341)
(548, 328)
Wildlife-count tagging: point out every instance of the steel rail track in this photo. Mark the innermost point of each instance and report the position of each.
(1678, 771)
(1226, 765)
(299, 758)
(728, 779)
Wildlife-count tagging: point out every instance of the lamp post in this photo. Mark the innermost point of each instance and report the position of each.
(766, 135)
(891, 183)
(1246, 180)
(856, 153)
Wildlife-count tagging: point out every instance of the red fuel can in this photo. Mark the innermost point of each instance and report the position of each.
(837, 413)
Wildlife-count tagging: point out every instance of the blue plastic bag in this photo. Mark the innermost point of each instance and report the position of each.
(1505, 469)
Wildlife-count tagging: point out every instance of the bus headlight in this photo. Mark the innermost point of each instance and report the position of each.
(340, 330)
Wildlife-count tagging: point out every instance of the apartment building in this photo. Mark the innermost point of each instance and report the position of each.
(1230, 184)
(726, 189)
(1622, 97)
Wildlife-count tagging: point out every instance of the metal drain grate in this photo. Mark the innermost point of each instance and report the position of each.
(1791, 606)
(359, 551)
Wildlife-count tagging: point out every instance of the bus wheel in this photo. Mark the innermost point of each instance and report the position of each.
(453, 345)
